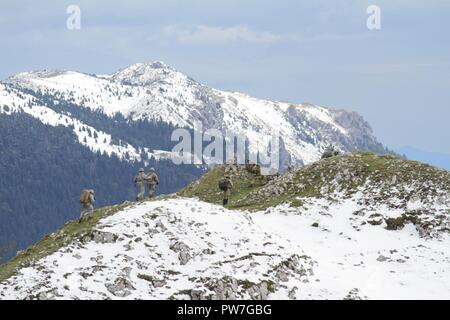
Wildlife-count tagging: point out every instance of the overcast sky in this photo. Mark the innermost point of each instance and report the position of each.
(315, 51)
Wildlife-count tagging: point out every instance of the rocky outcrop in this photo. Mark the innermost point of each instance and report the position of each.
(183, 252)
(100, 237)
(121, 287)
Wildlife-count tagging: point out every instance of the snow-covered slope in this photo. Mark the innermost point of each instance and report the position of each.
(188, 249)
(377, 228)
(155, 91)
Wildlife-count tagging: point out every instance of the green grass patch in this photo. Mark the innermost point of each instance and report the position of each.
(318, 180)
(207, 189)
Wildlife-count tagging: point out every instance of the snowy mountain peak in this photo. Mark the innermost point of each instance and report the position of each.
(145, 74)
(38, 74)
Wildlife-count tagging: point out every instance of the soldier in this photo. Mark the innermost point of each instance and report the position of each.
(225, 184)
(152, 180)
(253, 168)
(87, 200)
(329, 152)
(139, 182)
(248, 166)
(231, 166)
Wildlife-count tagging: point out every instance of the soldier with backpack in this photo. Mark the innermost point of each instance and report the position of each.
(139, 182)
(152, 180)
(253, 168)
(225, 185)
(329, 152)
(87, 200)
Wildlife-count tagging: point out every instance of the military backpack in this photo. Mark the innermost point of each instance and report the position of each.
(85, 196)
(224, 184)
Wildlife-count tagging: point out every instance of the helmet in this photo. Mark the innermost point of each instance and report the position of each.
(152, 169)
(141, 170)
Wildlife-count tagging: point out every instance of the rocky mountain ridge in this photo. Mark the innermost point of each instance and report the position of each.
(359, 235)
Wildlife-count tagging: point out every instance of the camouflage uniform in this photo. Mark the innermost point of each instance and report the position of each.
(88, 207)
(139, 181)
(329, 152)
(227, 192)
(231, 169)
(152, 180)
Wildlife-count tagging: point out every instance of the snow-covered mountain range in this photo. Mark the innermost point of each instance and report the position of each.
(358, 225)
(157, 92)
(63, 131)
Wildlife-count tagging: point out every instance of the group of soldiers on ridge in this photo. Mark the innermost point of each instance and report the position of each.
(142, 179)
(151, 180)
(226, 184)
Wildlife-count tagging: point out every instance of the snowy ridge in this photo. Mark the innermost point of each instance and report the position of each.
(357, 226)
(187, 249)
(85, 90)
(155, 91)
(95, 140)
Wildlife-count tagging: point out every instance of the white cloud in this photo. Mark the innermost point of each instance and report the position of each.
(202, 34)
(214, 35)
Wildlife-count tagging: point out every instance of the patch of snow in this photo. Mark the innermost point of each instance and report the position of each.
(175, 247)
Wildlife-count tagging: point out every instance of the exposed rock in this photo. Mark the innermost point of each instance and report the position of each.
(382, 258)
(292, 293)
(395, 223)
(282, 275)
(120, 288)
(259, 292)
(77, 256)
(375, 219)
(44, 295)
(157, 283)
(184, 257)
(183, 252)
(224, 289)
(126, 271)
(353, 294)
(100, 237)
(208, 251)
(289, 267)
(197, 294)
(160, 226)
